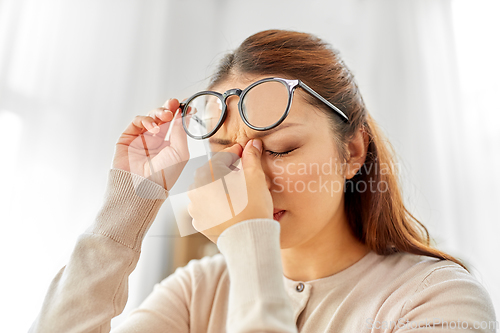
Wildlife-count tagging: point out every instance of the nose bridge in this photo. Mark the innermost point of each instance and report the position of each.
(233, 126)
(225, 96)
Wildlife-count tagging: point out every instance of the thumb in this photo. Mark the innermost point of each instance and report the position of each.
(251, 157)
(178, 136)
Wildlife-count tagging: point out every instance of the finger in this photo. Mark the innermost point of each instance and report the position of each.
(251, 159)
(218, 166)
(141, 124)
(161, 115)
(221, 163)
(177, 132)
(228, 156)
(191, 110)
(171, 104)
(164, 113)
(178, 137)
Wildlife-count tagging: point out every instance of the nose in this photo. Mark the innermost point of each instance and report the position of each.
(231, 99)
(233, 127)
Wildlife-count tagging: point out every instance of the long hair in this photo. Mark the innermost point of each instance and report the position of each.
(377, 218)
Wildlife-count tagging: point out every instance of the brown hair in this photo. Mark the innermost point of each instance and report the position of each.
(378, 219)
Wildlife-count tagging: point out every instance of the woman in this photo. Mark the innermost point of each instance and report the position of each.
(302, 253)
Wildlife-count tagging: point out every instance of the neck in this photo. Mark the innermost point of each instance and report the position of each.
(330, 251)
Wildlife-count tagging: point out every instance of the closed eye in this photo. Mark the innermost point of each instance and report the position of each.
(279, 154)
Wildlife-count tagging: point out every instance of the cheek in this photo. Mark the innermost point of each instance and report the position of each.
(310, 191)
(307, 183)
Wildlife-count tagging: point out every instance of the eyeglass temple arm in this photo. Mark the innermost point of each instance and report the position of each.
(318, 96)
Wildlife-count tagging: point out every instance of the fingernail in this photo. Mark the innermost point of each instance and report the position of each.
(155, 129)
(257, 144)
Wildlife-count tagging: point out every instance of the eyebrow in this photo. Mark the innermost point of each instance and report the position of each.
(259, 134)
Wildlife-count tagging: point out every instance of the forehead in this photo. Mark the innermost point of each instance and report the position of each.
(239, 81)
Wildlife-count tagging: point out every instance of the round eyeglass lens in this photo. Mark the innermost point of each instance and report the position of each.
(204, 112)
(265, 104)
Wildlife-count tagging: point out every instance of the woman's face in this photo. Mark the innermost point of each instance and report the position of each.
(307, 183)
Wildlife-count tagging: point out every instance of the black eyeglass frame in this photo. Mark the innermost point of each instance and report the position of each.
(291, 84)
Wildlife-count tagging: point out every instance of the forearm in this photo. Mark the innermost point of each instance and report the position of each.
(93, 287)
(257, 299)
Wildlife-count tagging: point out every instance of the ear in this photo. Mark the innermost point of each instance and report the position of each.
(357, 149)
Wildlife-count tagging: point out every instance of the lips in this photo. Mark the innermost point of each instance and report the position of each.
(278, 214)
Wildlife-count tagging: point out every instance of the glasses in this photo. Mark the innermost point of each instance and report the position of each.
(263, 105)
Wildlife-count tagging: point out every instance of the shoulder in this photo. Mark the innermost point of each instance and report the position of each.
(440, 289)
(426, 272)
(452, 282)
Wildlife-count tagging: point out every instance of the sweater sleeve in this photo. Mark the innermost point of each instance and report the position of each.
(449, 299)
(257, 298)
(93, 287)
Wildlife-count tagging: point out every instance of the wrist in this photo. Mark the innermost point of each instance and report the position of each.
(130, 205)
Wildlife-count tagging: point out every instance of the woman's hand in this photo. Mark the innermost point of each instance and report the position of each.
(142, 149)
(223, 195)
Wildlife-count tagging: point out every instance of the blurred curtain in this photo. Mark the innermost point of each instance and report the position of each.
(73, 74)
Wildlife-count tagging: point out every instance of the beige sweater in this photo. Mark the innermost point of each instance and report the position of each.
(243, 288)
